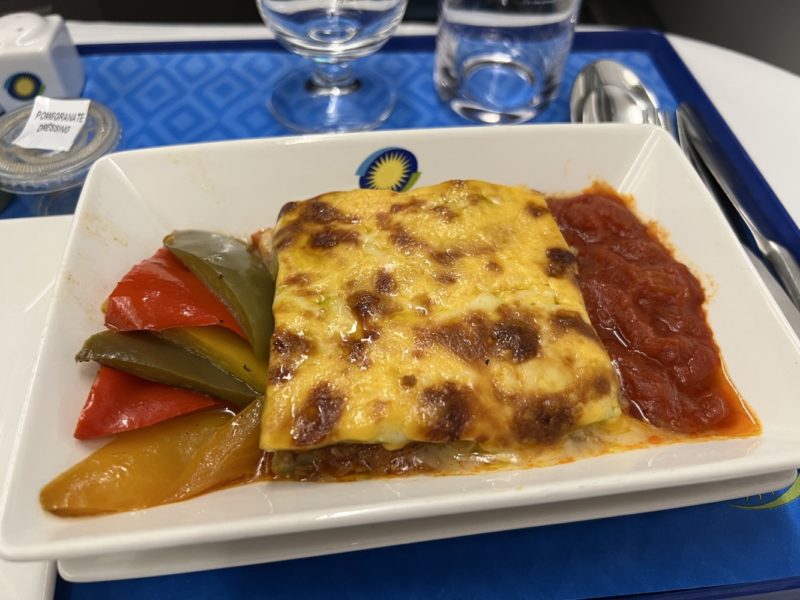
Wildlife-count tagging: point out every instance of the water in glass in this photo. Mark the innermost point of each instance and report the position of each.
(499, 61)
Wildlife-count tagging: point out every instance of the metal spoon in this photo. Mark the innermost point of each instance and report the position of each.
(607, 92)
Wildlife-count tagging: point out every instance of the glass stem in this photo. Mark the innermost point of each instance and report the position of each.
(332, 79)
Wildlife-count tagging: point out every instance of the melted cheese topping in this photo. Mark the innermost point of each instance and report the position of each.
(449, 313)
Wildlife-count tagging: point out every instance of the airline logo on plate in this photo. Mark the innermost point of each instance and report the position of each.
(388, 169)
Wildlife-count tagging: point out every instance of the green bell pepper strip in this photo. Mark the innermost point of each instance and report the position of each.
(237, 276)
(154, 359)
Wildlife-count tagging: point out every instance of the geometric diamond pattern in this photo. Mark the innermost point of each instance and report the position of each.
(199, 94)
(167, 94)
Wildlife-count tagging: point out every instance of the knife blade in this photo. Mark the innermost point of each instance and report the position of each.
(713, 169)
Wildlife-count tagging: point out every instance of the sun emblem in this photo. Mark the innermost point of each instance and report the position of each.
(388, 169)
(24, 86)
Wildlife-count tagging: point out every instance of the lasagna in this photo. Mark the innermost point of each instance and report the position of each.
(446, 315)
(441, 331)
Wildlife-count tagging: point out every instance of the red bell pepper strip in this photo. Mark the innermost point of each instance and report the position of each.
(160, 293)
(121, 402)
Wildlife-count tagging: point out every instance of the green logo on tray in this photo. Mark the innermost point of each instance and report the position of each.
(790, 494)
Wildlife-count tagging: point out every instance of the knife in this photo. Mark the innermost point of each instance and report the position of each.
(696, 141)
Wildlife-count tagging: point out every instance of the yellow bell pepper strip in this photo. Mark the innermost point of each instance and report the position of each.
(235, 274)
(138, 469)
(225, 349)
(160, 293)
(121, 402)
(230, 456)
(144, 355)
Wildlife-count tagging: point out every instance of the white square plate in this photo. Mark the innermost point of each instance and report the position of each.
(235, 553)
(132, 199)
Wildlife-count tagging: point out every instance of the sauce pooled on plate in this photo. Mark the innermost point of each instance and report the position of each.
(647, 309)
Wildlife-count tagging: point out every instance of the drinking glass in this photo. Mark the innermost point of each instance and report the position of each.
(326, 94)
(500, 61)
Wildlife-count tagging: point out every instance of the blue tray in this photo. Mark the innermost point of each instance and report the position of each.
(191, 92)
(176, 93)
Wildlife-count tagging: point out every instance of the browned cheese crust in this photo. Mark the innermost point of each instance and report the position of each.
(448, 313)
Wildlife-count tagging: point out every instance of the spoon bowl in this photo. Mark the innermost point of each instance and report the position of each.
(606, 91)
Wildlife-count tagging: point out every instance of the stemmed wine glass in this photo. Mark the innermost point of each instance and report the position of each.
(326, 95)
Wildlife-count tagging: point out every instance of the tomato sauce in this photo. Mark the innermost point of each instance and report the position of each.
(647, 309)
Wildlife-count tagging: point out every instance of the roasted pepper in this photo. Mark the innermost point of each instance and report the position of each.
(227, 350)
(167, 462)
(121, 402)
(136, 470)
(230, 455)
(144, 355)
(236, 275)
(160, 293)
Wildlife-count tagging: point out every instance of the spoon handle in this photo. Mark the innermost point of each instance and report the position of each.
(696, 141)
(787, 269)
(665, 121)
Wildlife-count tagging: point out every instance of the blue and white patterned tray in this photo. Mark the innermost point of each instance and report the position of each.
(188, 95)
(195, 92)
